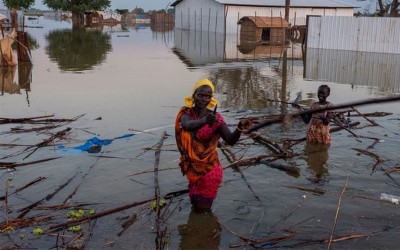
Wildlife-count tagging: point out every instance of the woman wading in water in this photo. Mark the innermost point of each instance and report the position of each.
(197, 131)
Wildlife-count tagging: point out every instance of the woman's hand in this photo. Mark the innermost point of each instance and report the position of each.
(244, 124)
(210, 119)
(325, 120)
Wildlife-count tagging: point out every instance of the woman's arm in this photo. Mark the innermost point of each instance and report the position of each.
(229, 137)
(191, 125)
(232, 137)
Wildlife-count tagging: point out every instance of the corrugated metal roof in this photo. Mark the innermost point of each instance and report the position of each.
(265, 21)
(293, 3)
(281, 3)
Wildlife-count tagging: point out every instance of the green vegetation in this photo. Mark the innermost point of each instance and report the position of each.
(122, 11)
(78, 6)
(18, 4)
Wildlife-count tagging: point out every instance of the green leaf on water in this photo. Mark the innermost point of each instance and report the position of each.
(75, 229)
(37, 231)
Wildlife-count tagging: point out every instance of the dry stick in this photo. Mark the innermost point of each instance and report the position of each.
(132, 219)
(393, 169)
(152, 171)
(14, 145)
(247, 161)
(6, 201)
(95, 216)
(19, 223)
(76, 188)
(375, 114)
(373, 123)
(376, 157)
(25, 186)
(47, 198)
(27, 130)
(337, 212)
(376, 141)
(254, 193)
(157, 190)
(59, 134)
(21, 120)
(39, 145)
(273, 146)
(348, 130)
(14, 165)
(63, 206)
(290, 213)
(377, 161)
(339, 106)
(316, 191)
(230, 156)
(254, 241)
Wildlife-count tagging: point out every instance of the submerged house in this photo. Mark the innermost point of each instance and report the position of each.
(100, 17)
(223, 15)
(270, 30)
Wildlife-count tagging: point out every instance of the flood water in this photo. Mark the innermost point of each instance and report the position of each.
(129, 79)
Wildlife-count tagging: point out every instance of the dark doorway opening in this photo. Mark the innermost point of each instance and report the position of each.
(266, 33)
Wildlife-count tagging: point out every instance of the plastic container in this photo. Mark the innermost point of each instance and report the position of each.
(391, 198)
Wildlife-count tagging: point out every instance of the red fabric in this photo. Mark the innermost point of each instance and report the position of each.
(207, 186)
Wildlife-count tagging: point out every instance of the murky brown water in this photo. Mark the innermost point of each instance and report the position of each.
(135, 79)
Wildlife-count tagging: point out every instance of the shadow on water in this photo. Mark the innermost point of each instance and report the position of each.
(78, 50)
(202, 231)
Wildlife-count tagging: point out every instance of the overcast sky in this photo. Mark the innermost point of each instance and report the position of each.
(119, 4)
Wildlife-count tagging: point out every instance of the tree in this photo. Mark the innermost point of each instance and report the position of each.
(389, 8)
(18, 4)
(77, 7)
(14, 5)
(121, 11)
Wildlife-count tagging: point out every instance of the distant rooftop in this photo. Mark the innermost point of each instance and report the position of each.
(281, 3)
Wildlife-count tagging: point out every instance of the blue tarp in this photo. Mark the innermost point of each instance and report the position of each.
(94, 144)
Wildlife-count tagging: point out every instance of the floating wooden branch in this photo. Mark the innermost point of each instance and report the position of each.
(98, 215)
(338, 106)
(376, 158)
(337, 212)
(5, 165)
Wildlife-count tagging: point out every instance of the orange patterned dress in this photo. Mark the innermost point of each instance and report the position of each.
(199, 158)
(317, 132)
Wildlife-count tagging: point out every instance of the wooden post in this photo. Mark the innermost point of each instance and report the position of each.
(287, 8)
(23, 50)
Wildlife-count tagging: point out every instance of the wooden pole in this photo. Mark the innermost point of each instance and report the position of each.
(287, 8)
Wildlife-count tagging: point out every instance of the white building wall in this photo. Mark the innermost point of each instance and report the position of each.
(370, 34)
(205, 15)
(210, 16)
(296, 15)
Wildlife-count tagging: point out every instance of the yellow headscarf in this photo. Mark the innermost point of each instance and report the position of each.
(189, 100)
